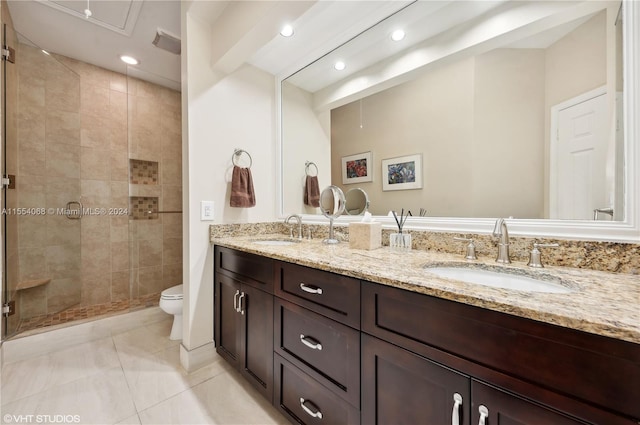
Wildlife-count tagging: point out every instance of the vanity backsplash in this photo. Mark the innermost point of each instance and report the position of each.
(593, 255)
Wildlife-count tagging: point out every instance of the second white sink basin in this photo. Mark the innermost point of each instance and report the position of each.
(498, 279)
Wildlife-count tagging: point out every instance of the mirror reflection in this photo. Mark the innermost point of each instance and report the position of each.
(357, 201)
(523, 124)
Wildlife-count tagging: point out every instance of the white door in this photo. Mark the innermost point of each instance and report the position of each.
(579, 173)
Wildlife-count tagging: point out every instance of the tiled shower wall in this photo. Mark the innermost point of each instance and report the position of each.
(89, 144)
(155, 136)
(48, 176)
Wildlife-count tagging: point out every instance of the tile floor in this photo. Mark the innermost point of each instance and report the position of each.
(131, 377)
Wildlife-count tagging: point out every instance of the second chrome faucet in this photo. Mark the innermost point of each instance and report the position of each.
(500, 231)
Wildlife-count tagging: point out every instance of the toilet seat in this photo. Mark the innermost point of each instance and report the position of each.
(173, 293)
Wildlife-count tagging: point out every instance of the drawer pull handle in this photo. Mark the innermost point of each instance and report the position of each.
(240, 307)
(316, 414)
(311, 289)
(310, 342)
(235, 301)
(484, 414)
(455, 415)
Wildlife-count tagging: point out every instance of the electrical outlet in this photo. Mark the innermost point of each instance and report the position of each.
(206, 211)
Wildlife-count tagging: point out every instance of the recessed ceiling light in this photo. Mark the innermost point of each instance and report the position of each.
(46, 53)
(286, 31)
(397, 35)
(129, 60)
(339, 66)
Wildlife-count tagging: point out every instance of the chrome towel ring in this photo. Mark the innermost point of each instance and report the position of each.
(307, 166)
(236, 155)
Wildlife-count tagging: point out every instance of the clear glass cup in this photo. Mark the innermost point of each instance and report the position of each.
(400, 240)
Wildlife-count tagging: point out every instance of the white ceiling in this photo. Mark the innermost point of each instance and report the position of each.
(425, 22)
(116, 27)
(420, 21)
(119, 27)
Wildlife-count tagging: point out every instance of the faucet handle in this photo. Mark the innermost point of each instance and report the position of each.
(471, 248)
(535, 259)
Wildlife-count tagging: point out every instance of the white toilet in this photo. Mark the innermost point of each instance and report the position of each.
(171, 302)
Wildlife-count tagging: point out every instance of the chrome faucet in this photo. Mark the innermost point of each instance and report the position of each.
(299, 220)
(500, 231)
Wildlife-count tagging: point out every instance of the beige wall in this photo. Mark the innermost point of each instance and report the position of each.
(508, 153)
(223, 113)
(306, 137)
(455, 116)
(78, 127)
(432, 116)
(577, 62)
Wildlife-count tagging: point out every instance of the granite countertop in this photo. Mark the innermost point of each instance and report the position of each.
(601, 303)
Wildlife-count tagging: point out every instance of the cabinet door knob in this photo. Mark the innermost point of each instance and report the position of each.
(455, 415)
(310, 342)
(310, 289)
(316, 414)
(484, 414)
(235, 301)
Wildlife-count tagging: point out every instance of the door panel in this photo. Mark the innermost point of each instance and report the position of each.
(257, 339)
(507, 409)
(227, 320)
(399, 387)
(582, 155)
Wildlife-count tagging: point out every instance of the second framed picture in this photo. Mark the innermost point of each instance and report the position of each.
(357, 168)
(401, 173)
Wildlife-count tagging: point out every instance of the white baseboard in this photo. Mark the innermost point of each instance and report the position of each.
(198, 357)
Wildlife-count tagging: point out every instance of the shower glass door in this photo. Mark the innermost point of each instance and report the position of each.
(42, 210)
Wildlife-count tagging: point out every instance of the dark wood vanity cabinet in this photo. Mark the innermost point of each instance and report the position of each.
(317, 345)
(522, 371)
(327, 348)
(243, 324)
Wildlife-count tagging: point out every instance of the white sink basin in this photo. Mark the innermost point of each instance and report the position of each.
(498, 279)
(275, 242)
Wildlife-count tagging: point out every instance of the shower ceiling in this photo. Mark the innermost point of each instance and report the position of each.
(115, 28)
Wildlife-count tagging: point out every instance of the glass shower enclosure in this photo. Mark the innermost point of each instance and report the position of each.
(41, 211)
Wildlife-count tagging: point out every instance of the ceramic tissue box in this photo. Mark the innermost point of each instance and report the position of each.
(365, 235)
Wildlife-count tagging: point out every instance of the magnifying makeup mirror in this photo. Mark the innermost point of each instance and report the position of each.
(332, 205)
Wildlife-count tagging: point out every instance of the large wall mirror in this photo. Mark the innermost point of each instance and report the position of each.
(483, 110)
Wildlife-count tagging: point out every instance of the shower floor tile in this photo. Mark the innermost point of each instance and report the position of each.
(130, 377)
(73, 314)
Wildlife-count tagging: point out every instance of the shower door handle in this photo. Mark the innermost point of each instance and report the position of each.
(74, 213)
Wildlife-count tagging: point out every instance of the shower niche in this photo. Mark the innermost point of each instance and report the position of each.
(143, 206)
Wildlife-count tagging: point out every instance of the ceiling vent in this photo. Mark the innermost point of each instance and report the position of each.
(167, 41)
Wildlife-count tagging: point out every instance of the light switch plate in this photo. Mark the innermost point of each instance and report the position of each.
(206, 210)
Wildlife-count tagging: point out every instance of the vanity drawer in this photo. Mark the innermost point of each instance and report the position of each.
(603, 371)
(329, 294)
(323, 348)
(255, 270)
(303, 399)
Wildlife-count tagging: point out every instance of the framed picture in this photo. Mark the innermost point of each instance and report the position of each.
(357, 168)
(403, 172)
